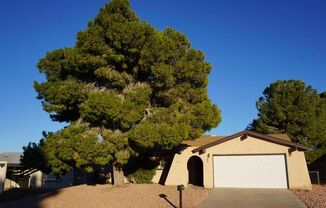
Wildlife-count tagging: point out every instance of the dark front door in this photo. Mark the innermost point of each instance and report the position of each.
(195, 171)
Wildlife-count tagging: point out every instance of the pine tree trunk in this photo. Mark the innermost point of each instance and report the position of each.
(118, 176)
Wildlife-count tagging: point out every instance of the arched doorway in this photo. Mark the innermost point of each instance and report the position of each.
(195, 171)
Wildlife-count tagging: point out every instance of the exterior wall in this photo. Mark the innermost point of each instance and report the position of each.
(178, 173)
(35, 180)
(297, 170)
(157, 176)
(3, 173)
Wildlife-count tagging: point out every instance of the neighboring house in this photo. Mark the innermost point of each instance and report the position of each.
(244, 160)
(18, 177)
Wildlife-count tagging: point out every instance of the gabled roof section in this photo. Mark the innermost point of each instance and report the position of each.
(13, 158)
(245, 134)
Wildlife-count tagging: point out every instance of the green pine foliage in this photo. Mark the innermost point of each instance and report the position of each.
(34, 156)
(125, 88)
(77, 146)
(292, 107)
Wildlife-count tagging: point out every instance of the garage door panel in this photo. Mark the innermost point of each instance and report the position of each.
(250, 171)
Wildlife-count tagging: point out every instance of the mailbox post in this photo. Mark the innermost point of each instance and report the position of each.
(180, 188)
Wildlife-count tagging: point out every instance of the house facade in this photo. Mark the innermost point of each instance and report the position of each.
(243, 160)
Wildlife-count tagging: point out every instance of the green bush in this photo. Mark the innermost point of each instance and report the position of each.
(142, 176)
(140, 170)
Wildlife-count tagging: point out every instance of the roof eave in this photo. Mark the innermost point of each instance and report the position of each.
(252, 134)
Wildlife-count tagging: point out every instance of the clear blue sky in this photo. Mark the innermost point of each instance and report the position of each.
(249, 44)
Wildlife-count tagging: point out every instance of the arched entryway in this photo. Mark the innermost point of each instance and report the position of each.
(195, 171)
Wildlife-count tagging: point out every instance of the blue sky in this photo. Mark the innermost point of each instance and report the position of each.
(249, 44)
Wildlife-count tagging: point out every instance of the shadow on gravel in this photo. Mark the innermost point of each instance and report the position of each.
(25, 198)
(163, 196)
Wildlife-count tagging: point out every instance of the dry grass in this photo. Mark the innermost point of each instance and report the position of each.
(315, 198)
(142, 195)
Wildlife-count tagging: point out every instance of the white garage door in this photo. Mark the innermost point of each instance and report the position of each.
(250, 171)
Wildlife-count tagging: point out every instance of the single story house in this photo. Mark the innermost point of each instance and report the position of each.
(13, 175)
(243, 160)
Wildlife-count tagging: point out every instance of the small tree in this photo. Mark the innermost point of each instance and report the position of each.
(291, 107)
(125, 88)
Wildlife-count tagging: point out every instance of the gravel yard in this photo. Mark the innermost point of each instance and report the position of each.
(141, 195)
(315, 198)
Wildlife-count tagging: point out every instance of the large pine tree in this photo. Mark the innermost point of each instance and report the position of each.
(125, 88)
(292, 107)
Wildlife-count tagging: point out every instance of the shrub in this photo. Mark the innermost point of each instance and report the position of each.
(140, 170)
(142, 176)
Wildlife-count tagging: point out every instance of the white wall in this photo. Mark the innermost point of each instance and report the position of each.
(3, 173)
(35, 180)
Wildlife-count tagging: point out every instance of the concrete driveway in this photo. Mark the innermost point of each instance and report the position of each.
(251, 198)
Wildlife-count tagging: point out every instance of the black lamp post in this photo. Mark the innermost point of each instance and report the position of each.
(180, 188)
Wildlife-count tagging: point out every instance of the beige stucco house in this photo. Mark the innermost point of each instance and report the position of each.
(244, 160)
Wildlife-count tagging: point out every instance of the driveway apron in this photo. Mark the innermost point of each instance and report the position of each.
(251, 198)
